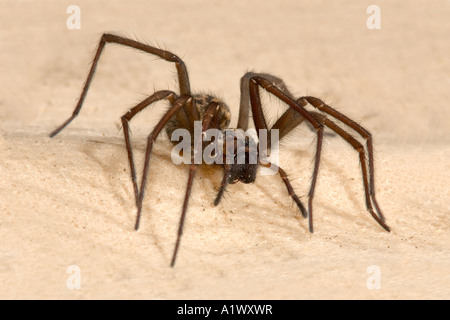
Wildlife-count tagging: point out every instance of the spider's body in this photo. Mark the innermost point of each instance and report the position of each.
(186, 109)
(238, 172)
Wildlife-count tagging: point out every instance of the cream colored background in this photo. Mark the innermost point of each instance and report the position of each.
(69, 200)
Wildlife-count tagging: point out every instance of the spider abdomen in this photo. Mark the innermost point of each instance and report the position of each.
(220, 121)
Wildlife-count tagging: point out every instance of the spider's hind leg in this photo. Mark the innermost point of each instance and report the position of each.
(176, 104)
(183, 78)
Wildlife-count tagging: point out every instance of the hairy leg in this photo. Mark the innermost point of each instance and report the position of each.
(183, 78)
(260, 123)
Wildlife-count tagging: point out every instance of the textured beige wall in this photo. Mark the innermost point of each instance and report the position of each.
(69, 200)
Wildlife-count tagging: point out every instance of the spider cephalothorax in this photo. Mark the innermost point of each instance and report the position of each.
(244, 160)
(186, 109)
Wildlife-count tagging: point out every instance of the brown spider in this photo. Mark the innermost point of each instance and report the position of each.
(213, 113)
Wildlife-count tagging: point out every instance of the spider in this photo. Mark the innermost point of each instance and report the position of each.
(187, 107)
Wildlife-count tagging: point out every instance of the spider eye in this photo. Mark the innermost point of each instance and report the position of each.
(248, 175)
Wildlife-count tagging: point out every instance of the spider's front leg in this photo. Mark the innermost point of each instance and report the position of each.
(267, 83)
(211, 110)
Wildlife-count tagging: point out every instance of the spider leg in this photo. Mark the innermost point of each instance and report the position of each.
(288, 185)
(368, 177)
(192, 170)
(183, 78)
(288, 121)
(223, 184)
(179, 103)
(245, 95)
(157, 96)
(206, 123)
(257, 81)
